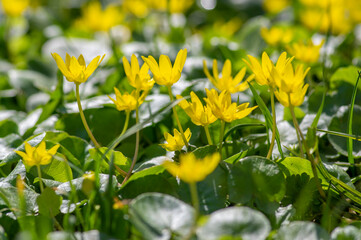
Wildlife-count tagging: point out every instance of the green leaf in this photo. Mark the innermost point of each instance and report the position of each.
(153, 179)
(58, 169)
(347, 74)
(302, 230)
(339, 123)
(212, 191)
(55, 100)
(346, 233)
(97, 154)
(236, 222)
(259, 178)
(159, 216)
(49, 203)
(7, 127)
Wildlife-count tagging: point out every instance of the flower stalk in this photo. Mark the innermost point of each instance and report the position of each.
(136, 150)
(177, 118)
(209, 139)
(90, 134)
(269, 154)
(40, 178)
(223, 123)
(309, 155)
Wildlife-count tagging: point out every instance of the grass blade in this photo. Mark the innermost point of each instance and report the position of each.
(267, 115)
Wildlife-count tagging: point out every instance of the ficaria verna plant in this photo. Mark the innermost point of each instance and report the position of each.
(190, 120)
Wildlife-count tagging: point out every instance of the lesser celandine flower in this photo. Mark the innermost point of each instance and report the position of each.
(277, 35)
(263, 72)
(127, 102)
(75, 70)
(179, 6)
(164, 73)
(138, 78)
(35, 156)
(226, 81)
(223, 108)
(94, 18)
(14, 8)
(291, 89)
(305, 52)
(176, 143)
(275, 6)
(139, 8)
(199, 114)
(192, 169)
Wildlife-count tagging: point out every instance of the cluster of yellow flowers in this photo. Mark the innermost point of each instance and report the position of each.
(287, 82)
(284, 37)
(93, 12)
(14, 8)
(339, 15)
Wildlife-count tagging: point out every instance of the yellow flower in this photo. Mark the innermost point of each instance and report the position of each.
(127, 102)
(263, 73)
(291, 79)
(291, 85)
(138, 78)
(74, 69)
(94, 18)
(14, 8)
(139, 8)
(296, 97)
(164, 73)
(226, 81)
(175, 143)
(337, 18)
(307, 53)
(199, 114)
(275, 6)
(88, 183)
(277, 35)
(37, 155)
(191, 169)
(179, 6)
(223, 108)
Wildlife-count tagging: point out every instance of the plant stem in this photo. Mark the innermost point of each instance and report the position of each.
(309, 155)
(269, 154)
(90, 134)
(126, 122)
(195, 203)
(177, 118)
(295, 123)
(351, 159)
(40, 179)
(129, 173)
(209, 139)
(223, 123)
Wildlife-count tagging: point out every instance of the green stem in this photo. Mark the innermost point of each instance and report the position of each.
(223, 123)
(40, 179)
(177, 118)
(350, 118)
(309, 155)
(195, 203)
(126, 122)
(295, 123)
(209, 139)
(269, 154)
(90, 134)
(195, 199)
(129, 173)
